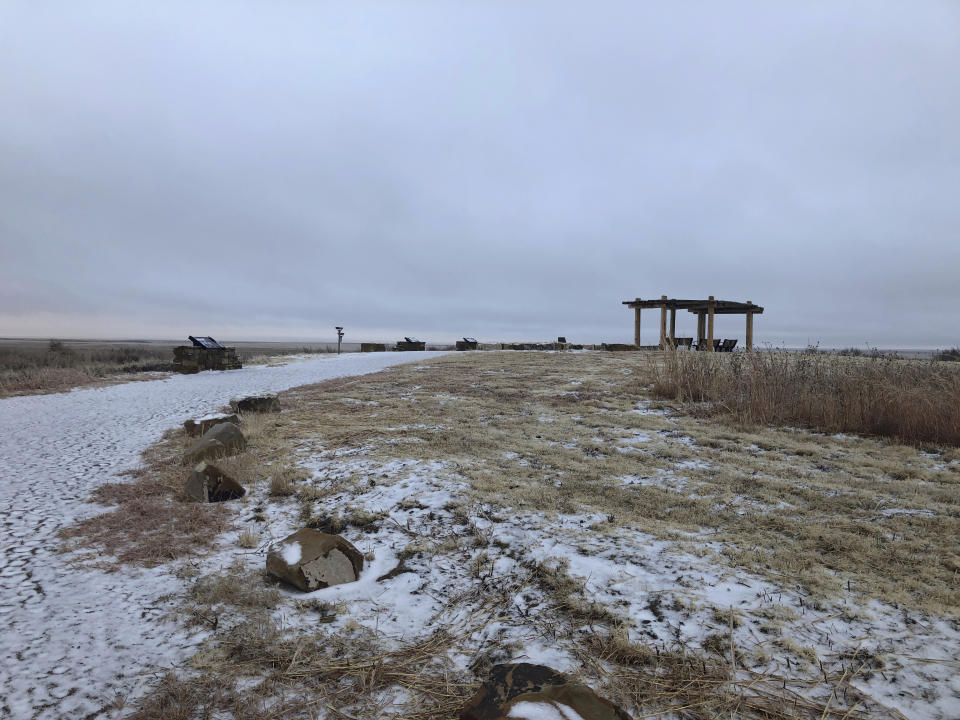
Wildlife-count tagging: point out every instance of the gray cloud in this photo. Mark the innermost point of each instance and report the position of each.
(478, 168)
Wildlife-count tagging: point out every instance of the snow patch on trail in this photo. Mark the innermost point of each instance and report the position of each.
(72, 638)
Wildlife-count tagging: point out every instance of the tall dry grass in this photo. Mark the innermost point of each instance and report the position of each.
(911, 401)
(60, 366)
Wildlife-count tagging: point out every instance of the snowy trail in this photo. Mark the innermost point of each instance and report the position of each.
(71, 639)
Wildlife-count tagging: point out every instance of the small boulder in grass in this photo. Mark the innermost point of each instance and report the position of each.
(196, 428)
(257, 404)
(219, 441)
(537, 692)
(311, 560)
(208, 483)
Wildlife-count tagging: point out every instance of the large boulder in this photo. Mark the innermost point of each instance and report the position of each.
(524, 690)
(196, 428)
(208, 483)
(310, 560)
(220, 440)
(257, 404)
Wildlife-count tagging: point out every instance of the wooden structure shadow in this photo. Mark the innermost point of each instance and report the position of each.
(705, 310)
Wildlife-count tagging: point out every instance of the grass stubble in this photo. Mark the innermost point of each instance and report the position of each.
(834, 515)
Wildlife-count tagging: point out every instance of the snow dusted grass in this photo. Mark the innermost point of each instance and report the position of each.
(539, 507)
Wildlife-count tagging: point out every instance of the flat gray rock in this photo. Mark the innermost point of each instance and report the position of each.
(309, 560)
(219, 441)
(525, 690)
(196, 428)
(257, 404)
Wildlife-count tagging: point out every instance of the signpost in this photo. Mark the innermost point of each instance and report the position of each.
(339, 338)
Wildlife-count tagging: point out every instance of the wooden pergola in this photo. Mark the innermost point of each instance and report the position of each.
(703, 309)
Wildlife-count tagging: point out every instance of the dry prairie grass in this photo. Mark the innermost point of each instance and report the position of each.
(314, 675)
(309, 676)
(356, 672)
(825, 511)
(57, 366)
(557, 434)
(910, 401)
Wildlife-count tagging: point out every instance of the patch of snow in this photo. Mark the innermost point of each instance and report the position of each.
(542, 711)
(889, 512)
(691, 464)
(666, 481)
(291, 553)
(638, 437)
(643, 408)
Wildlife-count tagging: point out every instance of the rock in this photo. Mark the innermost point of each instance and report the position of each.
(524, 690)
(220, 440)
(196, 428)
(310, 560)
(208, 483)
(257, 404)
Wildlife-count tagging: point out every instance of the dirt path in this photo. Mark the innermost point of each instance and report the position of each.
(72, 638)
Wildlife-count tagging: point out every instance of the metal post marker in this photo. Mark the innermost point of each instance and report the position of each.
(339, 338)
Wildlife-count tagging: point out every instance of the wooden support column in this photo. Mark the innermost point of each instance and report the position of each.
(749, 329)
(663, 322)
(710, 309)
(701, 326)
(636, 326)
(673, 328)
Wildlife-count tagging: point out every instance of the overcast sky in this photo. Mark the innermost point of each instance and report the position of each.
(504, 170)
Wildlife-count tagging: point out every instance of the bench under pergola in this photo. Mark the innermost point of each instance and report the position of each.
(703, 309)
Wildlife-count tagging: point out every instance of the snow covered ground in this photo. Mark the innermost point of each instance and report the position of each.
(71, 638)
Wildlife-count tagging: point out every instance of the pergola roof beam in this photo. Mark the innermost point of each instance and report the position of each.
(721, 307)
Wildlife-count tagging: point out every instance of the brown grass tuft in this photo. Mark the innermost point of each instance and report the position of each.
(310, 675)
(248, 539)
(150, 530)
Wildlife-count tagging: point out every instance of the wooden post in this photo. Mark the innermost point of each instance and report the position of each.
(749, 329)
(710, 309)
(636, 326)
(663, 322)
(701, 326)
(673, 328)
